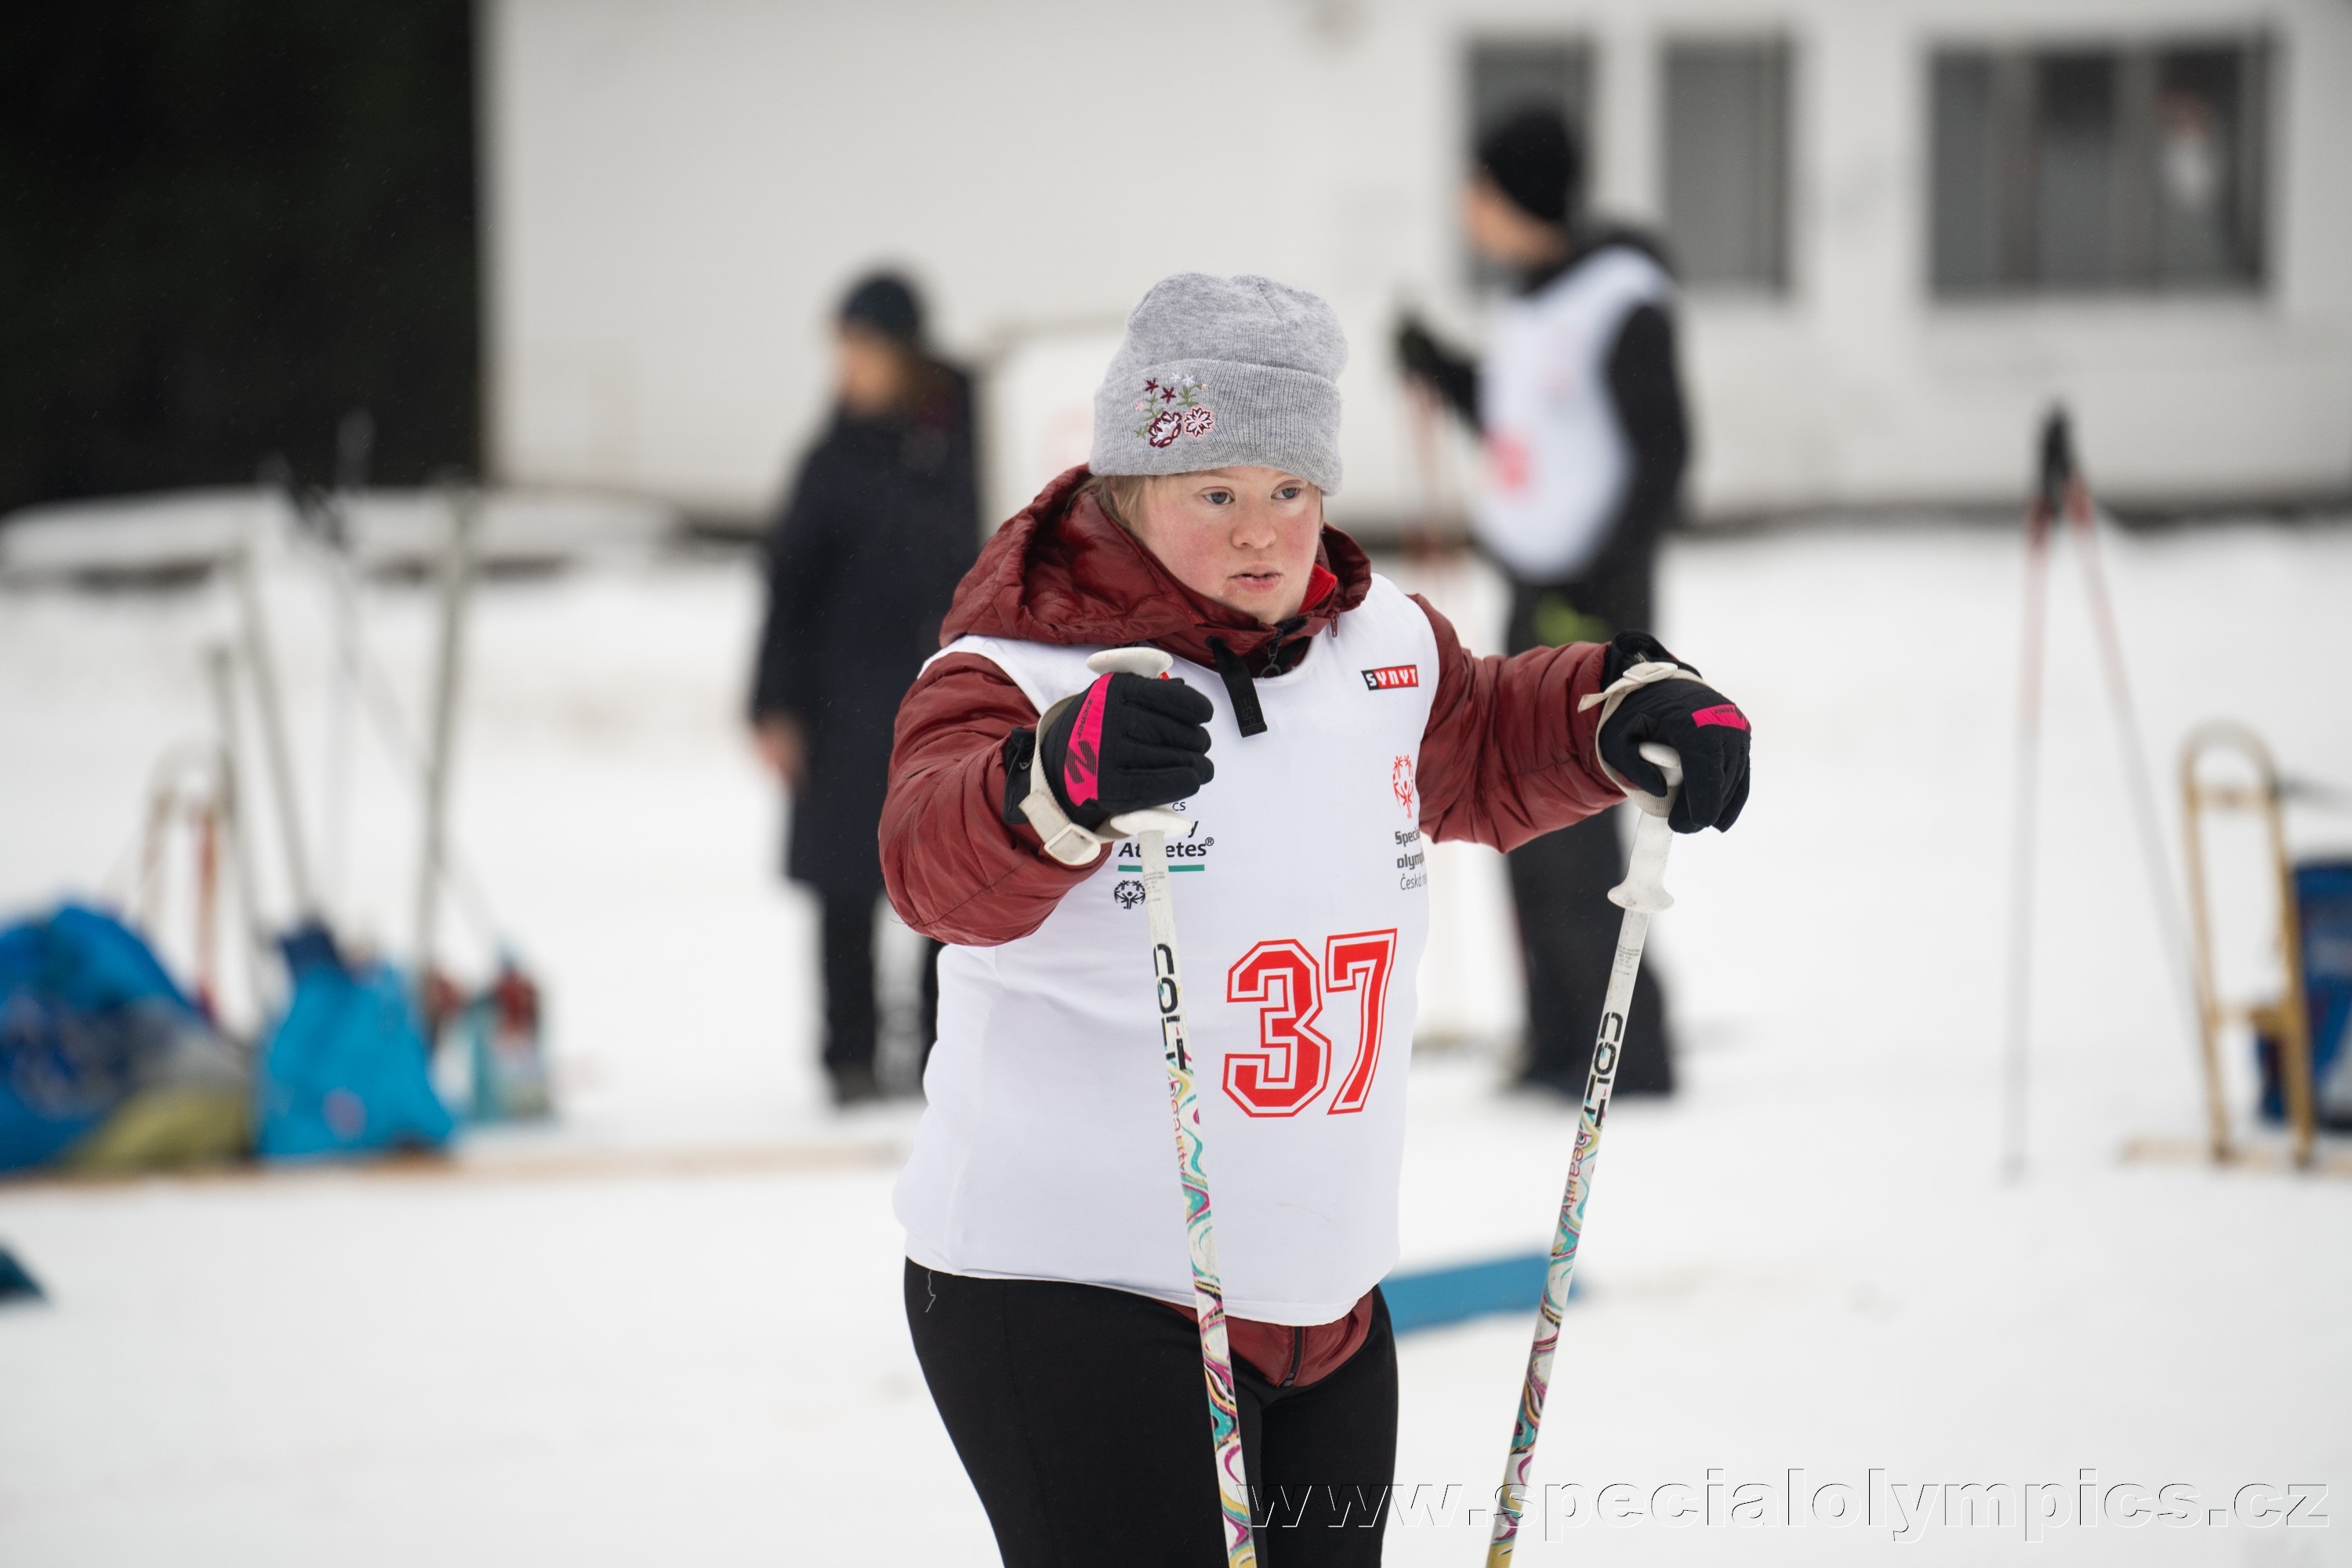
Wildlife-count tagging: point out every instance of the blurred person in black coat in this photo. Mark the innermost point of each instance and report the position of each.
(1581, 408)
(882, 522)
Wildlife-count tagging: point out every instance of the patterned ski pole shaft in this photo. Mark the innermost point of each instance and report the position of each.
(1151, 830)
(1208, 1289)
(1642, 894)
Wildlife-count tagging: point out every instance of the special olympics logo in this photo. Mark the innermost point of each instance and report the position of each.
(1401, 783)
(1129, 893)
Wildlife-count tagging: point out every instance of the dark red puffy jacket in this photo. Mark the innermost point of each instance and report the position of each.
(1506, 755)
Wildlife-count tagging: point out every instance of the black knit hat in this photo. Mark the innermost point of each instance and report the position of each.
(1533, 158)
(887, 304)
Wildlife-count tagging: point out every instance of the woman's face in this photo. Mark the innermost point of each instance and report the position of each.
(870, 371)
(1500, 232)
(1242, 537)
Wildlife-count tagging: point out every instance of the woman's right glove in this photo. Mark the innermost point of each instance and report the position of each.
(1126, 742)
(1706, 729)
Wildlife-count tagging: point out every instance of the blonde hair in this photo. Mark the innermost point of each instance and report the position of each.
(1119, 495)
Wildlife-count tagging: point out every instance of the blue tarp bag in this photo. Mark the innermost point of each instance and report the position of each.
(85, 1009)
(2322, 903)
(344, 1072)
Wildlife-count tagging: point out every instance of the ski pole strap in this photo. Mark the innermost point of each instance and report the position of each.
(1608, 700)
(1065, 840)
(1031, 797)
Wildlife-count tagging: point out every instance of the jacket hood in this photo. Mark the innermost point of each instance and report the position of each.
(1061, 572)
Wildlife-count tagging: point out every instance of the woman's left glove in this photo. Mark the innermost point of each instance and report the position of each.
(1706, 729)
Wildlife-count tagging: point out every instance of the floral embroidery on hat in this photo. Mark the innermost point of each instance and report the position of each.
(1176, 409)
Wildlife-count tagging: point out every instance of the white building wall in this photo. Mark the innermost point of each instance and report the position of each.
(677, 192)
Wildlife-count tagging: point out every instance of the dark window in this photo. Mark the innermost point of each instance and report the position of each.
(2096, 169)
(1726, 124)
(225, 227)
(1964, 183)
(2207, 164)
(2076, 173)
(1510, 76)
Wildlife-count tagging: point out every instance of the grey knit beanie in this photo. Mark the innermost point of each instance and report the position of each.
(1221, 373)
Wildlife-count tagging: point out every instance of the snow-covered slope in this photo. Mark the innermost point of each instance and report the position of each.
(594, 1345)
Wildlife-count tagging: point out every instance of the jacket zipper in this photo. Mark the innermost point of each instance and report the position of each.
(1297, 1355)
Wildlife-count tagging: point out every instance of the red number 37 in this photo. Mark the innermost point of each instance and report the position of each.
(1295, 1067)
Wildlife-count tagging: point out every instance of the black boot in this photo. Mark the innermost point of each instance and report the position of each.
(849, 1010)
(855, 1085)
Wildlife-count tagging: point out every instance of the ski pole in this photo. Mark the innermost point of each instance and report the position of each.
(1642, 894)
(262, 665)
(1150, 828)
(456, 586)
(221, 674)
(2082, 516)
(2041, 515)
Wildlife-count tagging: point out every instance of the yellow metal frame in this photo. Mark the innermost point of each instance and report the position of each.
(2284, 1020)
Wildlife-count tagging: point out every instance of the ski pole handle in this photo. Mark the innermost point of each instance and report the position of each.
(1667, 762)
(1149, 663)
(1644, 887)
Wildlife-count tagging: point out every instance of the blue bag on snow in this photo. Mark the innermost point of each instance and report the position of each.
(344, 1071)
(2323, 901)
(86, 1011)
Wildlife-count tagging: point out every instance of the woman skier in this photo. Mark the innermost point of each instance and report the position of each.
(1318, 725)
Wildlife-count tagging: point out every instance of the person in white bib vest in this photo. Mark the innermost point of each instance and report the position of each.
(1582, 412)
(1317, 728)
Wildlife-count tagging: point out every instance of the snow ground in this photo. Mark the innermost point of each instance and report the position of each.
(668, 1329)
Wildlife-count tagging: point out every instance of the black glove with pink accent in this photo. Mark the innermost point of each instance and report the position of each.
(1126, 742)
(1706, 729)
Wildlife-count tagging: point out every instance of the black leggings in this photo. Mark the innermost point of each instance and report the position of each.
(1568, 933)
(1560, 882)
(1080, 1416)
